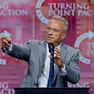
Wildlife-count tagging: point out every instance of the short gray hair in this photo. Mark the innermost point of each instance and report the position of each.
(59, 18)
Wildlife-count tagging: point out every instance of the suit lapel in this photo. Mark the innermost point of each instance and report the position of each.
(42, 54)
(63, 50)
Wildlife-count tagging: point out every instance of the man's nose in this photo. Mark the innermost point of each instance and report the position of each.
(50, 31)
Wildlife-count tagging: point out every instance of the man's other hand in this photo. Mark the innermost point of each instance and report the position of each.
(5, 42)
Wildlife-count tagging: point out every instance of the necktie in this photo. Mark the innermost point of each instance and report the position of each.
(51, 72)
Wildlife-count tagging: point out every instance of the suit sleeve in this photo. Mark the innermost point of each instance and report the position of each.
(73, 70)
(19, 52)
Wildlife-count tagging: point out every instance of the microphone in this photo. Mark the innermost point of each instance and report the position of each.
(51, 49)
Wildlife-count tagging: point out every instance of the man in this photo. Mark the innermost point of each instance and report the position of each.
(36, 53)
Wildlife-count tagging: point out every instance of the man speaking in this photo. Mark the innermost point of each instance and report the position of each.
(51, 63)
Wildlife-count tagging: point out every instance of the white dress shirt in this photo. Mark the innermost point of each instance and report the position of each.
(43, 80)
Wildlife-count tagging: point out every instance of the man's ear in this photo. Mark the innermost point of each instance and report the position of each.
(64, 35)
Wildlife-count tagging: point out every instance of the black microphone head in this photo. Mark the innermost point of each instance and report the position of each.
(51, 48)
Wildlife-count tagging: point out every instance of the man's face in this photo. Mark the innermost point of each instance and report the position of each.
(54, 32)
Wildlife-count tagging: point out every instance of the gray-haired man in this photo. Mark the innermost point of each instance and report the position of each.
(36, 53)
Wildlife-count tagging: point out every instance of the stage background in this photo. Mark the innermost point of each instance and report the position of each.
(20, 19)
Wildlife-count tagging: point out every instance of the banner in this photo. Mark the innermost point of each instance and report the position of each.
(26, 20)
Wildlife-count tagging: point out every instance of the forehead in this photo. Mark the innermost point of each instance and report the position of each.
(56, 24)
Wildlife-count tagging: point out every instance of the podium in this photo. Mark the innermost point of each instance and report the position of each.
(51, 90)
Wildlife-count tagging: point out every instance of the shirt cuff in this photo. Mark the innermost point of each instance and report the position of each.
(10, 48)
(63, 71)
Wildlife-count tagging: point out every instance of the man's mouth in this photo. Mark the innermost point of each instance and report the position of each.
(50, 37)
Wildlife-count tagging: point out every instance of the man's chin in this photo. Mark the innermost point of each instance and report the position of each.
(49, 41)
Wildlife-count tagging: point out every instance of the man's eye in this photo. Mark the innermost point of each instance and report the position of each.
(55, 30)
